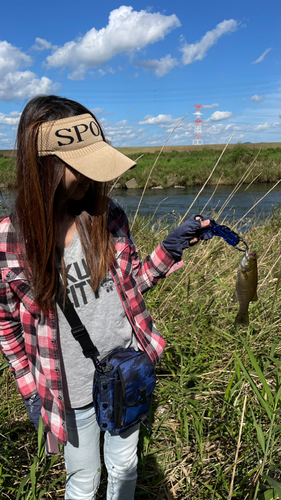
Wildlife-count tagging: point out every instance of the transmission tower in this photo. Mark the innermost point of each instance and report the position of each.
(198, 138)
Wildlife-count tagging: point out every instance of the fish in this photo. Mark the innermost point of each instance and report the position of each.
(246, 286)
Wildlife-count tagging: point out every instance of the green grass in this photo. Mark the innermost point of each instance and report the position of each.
(8, 175)
(208, 371)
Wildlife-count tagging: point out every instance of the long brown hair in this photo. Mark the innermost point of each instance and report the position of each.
(36, 209)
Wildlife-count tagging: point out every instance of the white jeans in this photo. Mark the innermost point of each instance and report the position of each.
(82, 458)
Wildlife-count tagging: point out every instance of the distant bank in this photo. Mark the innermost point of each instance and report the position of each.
(7, 152)
(218, 147)
(186, 166)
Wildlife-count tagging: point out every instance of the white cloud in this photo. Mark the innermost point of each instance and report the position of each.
(103, 121)
(122, 133)
(42, 44)
(24, 84)
(197, 51)
(101, 72)
(97, 111)
(209, 106)
(101, 111)
(78, 74)
(181, 136)
(7, 141)
(233, 127)
(219, 115)
(11, 58)
(161, 67)
(11, 119)
(16, 84)
(153, 143)
(127, 31)
(261, 58)
(187, 126)
(216, 129)
(257, 98)
(265, 126)
(160, 120)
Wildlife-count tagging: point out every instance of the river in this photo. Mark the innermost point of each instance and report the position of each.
(171, 203)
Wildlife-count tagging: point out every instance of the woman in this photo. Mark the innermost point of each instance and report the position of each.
(64, 224)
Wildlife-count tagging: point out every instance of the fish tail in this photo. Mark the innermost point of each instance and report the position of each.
(242, 319)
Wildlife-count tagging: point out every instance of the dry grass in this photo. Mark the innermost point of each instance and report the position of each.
(217, 147)
(199, 400)
(206, 443)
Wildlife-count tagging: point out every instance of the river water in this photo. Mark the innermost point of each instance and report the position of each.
(172, 203)
(169, 203)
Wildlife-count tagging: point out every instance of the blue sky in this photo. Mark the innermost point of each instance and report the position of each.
(141, 67)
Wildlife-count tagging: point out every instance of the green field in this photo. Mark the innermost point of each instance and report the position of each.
(216, 408)
(188, 166)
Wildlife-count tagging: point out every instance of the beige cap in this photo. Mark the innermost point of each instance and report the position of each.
(77, 140)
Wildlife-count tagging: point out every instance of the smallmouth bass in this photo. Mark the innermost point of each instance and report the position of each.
(246, 286)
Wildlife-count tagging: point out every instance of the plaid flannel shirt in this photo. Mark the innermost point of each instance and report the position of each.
(29, 338)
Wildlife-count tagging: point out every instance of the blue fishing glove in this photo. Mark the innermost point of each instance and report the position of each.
(33, 406)
(179, 239)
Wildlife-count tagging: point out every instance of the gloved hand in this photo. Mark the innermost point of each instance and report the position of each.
(206, 235)
(181, 237)
(33, 406)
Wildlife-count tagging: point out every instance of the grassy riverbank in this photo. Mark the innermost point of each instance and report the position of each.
(8, 175)
(192, 168)
(189, 167)
(216, 407)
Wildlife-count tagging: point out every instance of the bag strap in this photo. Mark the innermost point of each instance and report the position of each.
(78, 330)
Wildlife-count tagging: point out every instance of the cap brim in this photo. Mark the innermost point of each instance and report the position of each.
(100, 162)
